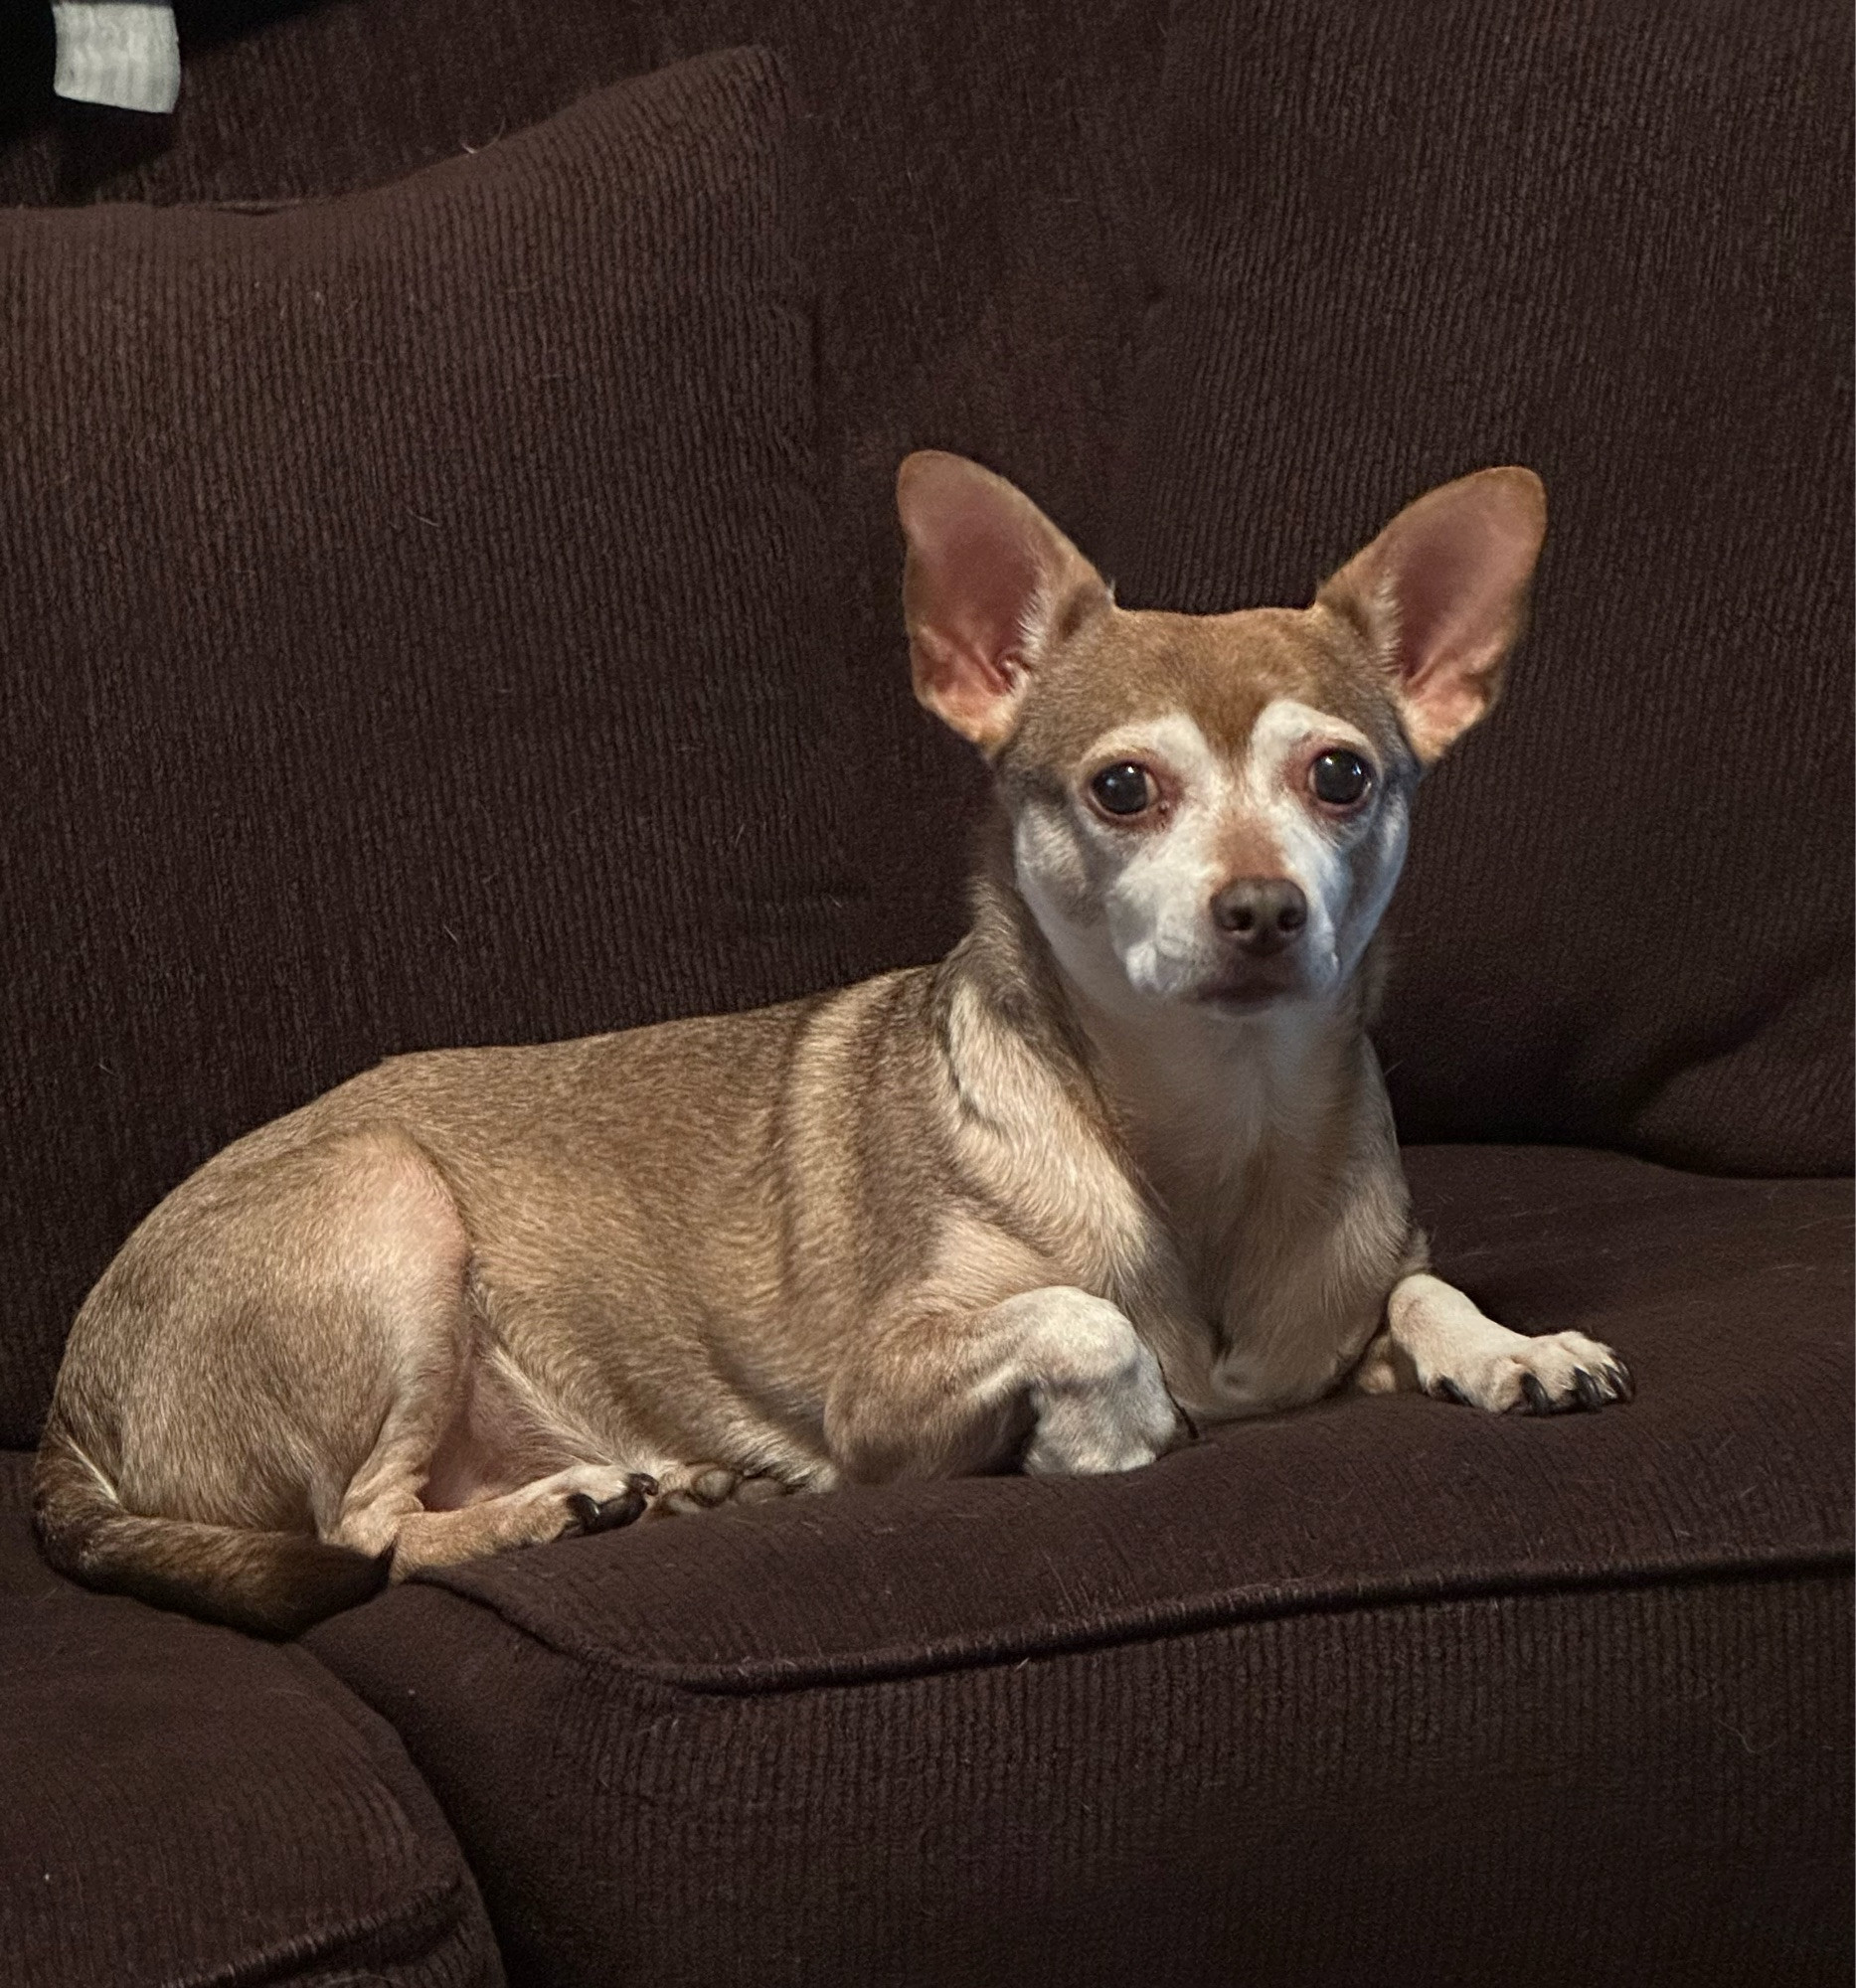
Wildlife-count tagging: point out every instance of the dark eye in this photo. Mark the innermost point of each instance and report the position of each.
(1123, 788)
(1340, 779)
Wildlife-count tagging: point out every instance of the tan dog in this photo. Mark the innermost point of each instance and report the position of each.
(1125, 1153)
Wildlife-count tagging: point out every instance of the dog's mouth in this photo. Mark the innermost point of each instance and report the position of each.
(1257, 984)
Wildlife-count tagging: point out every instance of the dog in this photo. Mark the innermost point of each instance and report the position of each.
(1120, 1166)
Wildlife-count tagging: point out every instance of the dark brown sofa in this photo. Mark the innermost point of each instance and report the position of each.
(449, 594)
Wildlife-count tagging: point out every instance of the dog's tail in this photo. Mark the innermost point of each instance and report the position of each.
(267, 1583)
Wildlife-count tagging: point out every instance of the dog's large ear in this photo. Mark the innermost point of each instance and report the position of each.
(990, 585)
(1441, 597)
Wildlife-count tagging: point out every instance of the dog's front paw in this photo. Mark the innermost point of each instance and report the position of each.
(1099, 1400)
(1548, 1376)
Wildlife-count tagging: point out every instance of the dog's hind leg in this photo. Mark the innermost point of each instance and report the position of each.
(401, 1497)
(584, 1498)
(468, 1460)
(408, 1254)
(275, 1365)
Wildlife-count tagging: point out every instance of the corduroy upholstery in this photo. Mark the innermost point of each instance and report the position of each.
(504, 641)
(183, 1804)
(1187, 1809)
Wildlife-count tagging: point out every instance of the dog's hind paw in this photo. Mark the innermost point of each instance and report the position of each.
(588, 1513)
(701, 1487)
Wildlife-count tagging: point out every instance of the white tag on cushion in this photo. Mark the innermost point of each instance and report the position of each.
(118, 51)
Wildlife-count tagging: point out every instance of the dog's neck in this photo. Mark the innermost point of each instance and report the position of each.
(1192, 1097)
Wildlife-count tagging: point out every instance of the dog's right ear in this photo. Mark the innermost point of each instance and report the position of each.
(990, 585)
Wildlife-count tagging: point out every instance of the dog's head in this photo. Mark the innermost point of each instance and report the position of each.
(1210, 809)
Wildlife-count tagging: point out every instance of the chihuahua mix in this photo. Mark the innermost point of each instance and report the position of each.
(1120, 1165)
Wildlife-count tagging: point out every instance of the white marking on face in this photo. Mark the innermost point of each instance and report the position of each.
(1315, 850)
(1154, 936)
(1283, 733)
(1390, 832)
(1157, 907)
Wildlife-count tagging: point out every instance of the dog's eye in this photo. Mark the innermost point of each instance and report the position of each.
(1123, 788)
(1340, 779)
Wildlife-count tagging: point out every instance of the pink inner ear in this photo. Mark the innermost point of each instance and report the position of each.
(975, 581)
(1440, 595)
(1457, 582)
(985, 568)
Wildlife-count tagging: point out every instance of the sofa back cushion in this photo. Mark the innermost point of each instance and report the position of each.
(975, 188)
(412, 636)
(1394, 245)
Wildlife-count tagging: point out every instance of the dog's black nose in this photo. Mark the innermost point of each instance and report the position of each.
(1261, 913)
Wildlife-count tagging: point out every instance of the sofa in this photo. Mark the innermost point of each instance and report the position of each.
(451, 596)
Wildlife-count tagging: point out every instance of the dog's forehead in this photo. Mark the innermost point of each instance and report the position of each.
(1221, 672)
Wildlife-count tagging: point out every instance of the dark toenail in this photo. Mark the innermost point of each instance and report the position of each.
(642, 1482)
(1446, 1389)
(605, 1514)
(1586, 1386)
(1538, 1401)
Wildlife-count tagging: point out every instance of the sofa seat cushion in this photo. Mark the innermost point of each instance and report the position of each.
(412, 609)
(183, 1804)
(1323, 1663)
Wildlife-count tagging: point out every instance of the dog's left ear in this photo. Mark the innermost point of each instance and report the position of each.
(1441, 598)
(990, 585)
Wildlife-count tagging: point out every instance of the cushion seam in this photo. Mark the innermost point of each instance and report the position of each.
(440, 1908)
(1158, 1622)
